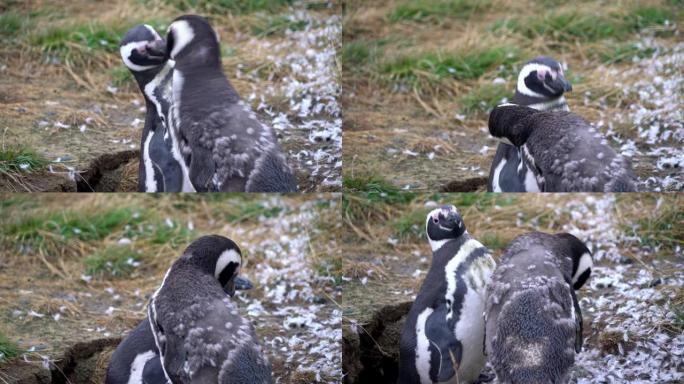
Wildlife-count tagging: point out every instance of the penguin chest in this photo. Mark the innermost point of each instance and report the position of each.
(469, 330)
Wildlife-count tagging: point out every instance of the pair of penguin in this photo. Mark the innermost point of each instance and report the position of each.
(199, 135)
(545, 148)
(531, 313)
(194, 332)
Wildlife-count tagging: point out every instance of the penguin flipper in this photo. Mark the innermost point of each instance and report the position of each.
(445, 350)
(153, 372)
(202, 169)
(578, 322)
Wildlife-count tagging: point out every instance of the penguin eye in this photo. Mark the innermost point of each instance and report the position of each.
(435, 220)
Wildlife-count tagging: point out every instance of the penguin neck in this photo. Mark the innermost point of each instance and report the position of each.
(541, 103)
(439, 244)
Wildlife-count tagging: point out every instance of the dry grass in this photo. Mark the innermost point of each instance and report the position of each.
(398, 93)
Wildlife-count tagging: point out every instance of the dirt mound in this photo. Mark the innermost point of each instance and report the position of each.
(82, 363)
(372, 354)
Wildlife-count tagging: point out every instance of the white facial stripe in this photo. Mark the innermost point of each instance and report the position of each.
(524, 72)
(229, 256)
(126, 51)
(138, 365)
(423, 347)
(182, 36)
(150, 183)
(149, 28)
(585, 263)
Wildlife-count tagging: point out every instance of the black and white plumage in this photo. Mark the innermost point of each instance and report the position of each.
(541, 85)
(533, 318)
(223, 144)
(563, 150)
(198, 330)
(161, 167)
(136, 359)
(442, 338)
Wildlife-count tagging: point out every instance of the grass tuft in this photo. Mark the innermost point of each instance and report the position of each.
(278, 25)
(12, 23)
(483, 98)
(433, 66)
(79, 43)
(8, 349)
(20, 159)
(423, 10)
(229, 6)
(116, 260)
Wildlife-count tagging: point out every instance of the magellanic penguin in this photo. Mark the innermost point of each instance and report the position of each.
(541, 85)
(199, 332)
(442, 338)
(136, 359)
(224, 145)
(161, 165)
(534, 322)
(565, 152)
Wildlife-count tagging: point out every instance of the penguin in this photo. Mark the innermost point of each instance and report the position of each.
(136, 359)
(223, 144)
(198, 331)
(541, 85)
(161, 167)
(532, 314)
(442, 338)
(563, 150)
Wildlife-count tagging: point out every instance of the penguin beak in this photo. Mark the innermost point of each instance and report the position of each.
(156, 48)
(560, 85)
(243, 284)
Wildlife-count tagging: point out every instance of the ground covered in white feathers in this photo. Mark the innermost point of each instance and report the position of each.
(305, 64)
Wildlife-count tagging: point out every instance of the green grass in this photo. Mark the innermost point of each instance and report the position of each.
(121, 76)
(411, 225)
(79, 43)
(8, 349)
(229, 6)
(12, 23)
(160, 232)
(483, 98)
(665, 230)
(355, 54)
(493, 241)
(435, 66)
(248, 211)
(57, 228)
(576, 26)
(116, 260)
(623, 53)
(277, 25)
(370, 195)
(20, 160)
(424, 10)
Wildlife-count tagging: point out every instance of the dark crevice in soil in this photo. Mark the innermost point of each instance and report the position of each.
(372, 354)
(468, 185)
(82, 363)
(104, 174)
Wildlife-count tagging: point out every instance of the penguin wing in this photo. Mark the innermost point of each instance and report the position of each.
(578, 322)
(153, 372)
(511, 123)
(445, 350)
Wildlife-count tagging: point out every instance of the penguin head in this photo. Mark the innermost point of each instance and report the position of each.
(581, 259)
(502, 121)
(142, 49)
(542, 77)
(442, 224)
(191, 40)
(220, 257)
